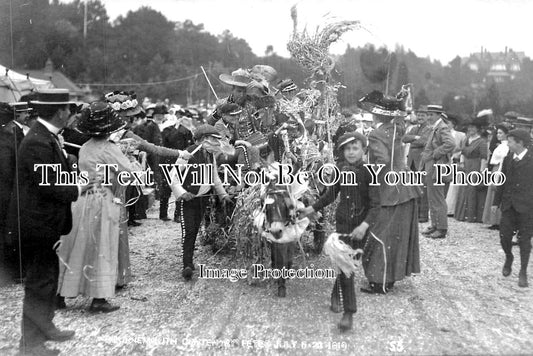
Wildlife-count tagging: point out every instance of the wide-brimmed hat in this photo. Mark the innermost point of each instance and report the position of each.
(379, 104)
(206, 130)
(267, 72)
(455, 119)
(124, 103)
(21, 106)
(52, 97)
(99, 119)
(235, 80)
(479, 122)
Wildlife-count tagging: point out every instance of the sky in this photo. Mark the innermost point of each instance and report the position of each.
(439, 29)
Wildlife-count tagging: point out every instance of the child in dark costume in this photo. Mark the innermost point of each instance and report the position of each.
(355, 215)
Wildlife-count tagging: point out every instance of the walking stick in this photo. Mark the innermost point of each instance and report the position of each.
(209, 82)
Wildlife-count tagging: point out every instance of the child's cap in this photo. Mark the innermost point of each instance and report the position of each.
(350, 137)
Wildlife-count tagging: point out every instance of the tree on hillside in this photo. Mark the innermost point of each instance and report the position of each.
(421, 98)
(491, 100)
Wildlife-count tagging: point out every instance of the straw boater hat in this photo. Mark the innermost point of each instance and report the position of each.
(435, 108)
(124, 103)
(21, 106)
(52, 97)
(99, 119)
(379, 104)
(47, 97)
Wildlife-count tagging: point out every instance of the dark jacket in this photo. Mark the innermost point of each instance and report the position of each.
(45, 210)
(517, 191)
(10, 138)
(177, 138)
(381, 151)
(416, 146)
(357, 203)
(150, 132)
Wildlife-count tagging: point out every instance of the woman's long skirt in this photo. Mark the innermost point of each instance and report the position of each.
(392, 249)
(88, 255)
(489, 217)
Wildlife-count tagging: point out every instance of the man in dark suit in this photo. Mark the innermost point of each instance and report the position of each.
(515, 199)
(11, 135)
(417, 137)
(438, 150)
(45, 215)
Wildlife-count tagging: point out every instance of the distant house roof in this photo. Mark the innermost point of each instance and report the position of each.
(58, 79)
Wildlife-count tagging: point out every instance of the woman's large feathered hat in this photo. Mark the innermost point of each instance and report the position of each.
(379, 104)
(99, 119)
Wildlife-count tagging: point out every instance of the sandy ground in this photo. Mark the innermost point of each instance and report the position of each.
(459, 304)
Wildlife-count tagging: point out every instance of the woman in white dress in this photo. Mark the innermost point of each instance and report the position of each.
(496, 160)
(89, 253)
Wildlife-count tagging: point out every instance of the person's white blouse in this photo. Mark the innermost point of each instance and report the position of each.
(499, 154)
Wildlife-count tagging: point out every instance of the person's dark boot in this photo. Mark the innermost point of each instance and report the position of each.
(506, 270)
(429, 230)
(438, 234)
(187, 273)
(100, 305)
(319, 238)
(374, 288)
(346, 322)
(335, 304)
(134, 223)
(54, 334)
(282, 290)
(522, 279)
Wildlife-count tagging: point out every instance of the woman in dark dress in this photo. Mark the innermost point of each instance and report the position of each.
(392, 250)
(474, 154)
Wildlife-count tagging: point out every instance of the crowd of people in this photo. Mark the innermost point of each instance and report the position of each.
(71, 240)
